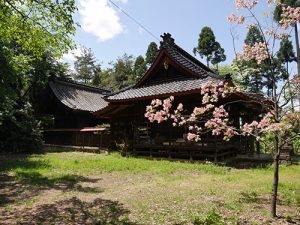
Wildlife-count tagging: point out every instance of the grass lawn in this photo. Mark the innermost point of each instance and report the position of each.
(85, 188)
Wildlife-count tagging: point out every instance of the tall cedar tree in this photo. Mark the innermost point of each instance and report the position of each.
(277, 17)
(85, 65)
(140, 67)
(259, 77)
(208, 47)
(254, 82)
(151, 53)
(285, 56)
(218, 55)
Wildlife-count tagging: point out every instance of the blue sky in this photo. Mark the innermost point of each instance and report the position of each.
(110, 33)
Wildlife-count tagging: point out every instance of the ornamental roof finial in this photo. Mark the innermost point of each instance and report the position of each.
(167, 40)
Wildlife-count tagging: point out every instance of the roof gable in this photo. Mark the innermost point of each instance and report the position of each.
(172, 56)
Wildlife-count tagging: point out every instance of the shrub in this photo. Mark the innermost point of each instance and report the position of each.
(211, 218)
(20, 130)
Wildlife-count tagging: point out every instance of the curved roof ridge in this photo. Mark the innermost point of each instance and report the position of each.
(81, 85)
(77, 96)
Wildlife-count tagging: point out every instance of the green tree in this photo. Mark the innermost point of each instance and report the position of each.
(29, 31)
(96, 80)
(253, 75)
(209, 48)
(218, 55)
(85, 65)
(278, 17)
(19, 129)
(38, 26)
(123, 72)
(120, 74)
(151, 53)
(253, 36)
(139, 67)
(286, 55)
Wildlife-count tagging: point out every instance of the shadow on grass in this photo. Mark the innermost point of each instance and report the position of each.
(21, 161)
(26, 185)
(71, 211)
(28, 182)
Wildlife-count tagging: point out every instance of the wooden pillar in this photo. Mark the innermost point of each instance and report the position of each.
(216, 150)
(169, 154)
(191, 155)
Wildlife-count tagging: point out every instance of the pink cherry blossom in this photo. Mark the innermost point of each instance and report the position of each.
(180, 107)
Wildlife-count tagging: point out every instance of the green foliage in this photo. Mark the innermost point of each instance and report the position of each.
(140, 67)
(278, 10)
(208, 47)
(42, 69)
(233, 71)
(211, 218)
(32, 35)
(121, 74)
(96, 81)
(218, 54)
(286, 53)
(22, 80)
(85, 65)
(256, 77)
(20, 131)
(253, 73)
(38, 26)
(151, 53)
(253, 36)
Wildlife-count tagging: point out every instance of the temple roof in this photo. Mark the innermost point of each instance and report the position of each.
(191, 66)
(78, 96)
(191, 74)
(159, 90)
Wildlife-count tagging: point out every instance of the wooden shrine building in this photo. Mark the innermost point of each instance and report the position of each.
(72, 105)
(174, 72)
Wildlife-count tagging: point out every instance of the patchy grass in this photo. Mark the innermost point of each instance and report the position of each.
(110, 189)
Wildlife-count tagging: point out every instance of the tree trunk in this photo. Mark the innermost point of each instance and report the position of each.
(275, 180)
(276, 151)
(298, 54)
(289, 87)
(297, 49)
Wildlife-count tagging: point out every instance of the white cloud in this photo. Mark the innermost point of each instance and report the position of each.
(70, 56)
(100, 19)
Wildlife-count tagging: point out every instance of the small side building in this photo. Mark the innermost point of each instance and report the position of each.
(72, 105)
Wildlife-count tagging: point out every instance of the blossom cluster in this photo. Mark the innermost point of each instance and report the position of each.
(233, 18)
(211, 117)
(258, 52)
(249, 4)
(211, 93)
(268, 125)
(153, 113)
(290, 16)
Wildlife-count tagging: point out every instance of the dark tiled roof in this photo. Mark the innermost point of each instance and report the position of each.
(257, 97)
(161, 89)
(185, 59)
(79, 96)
